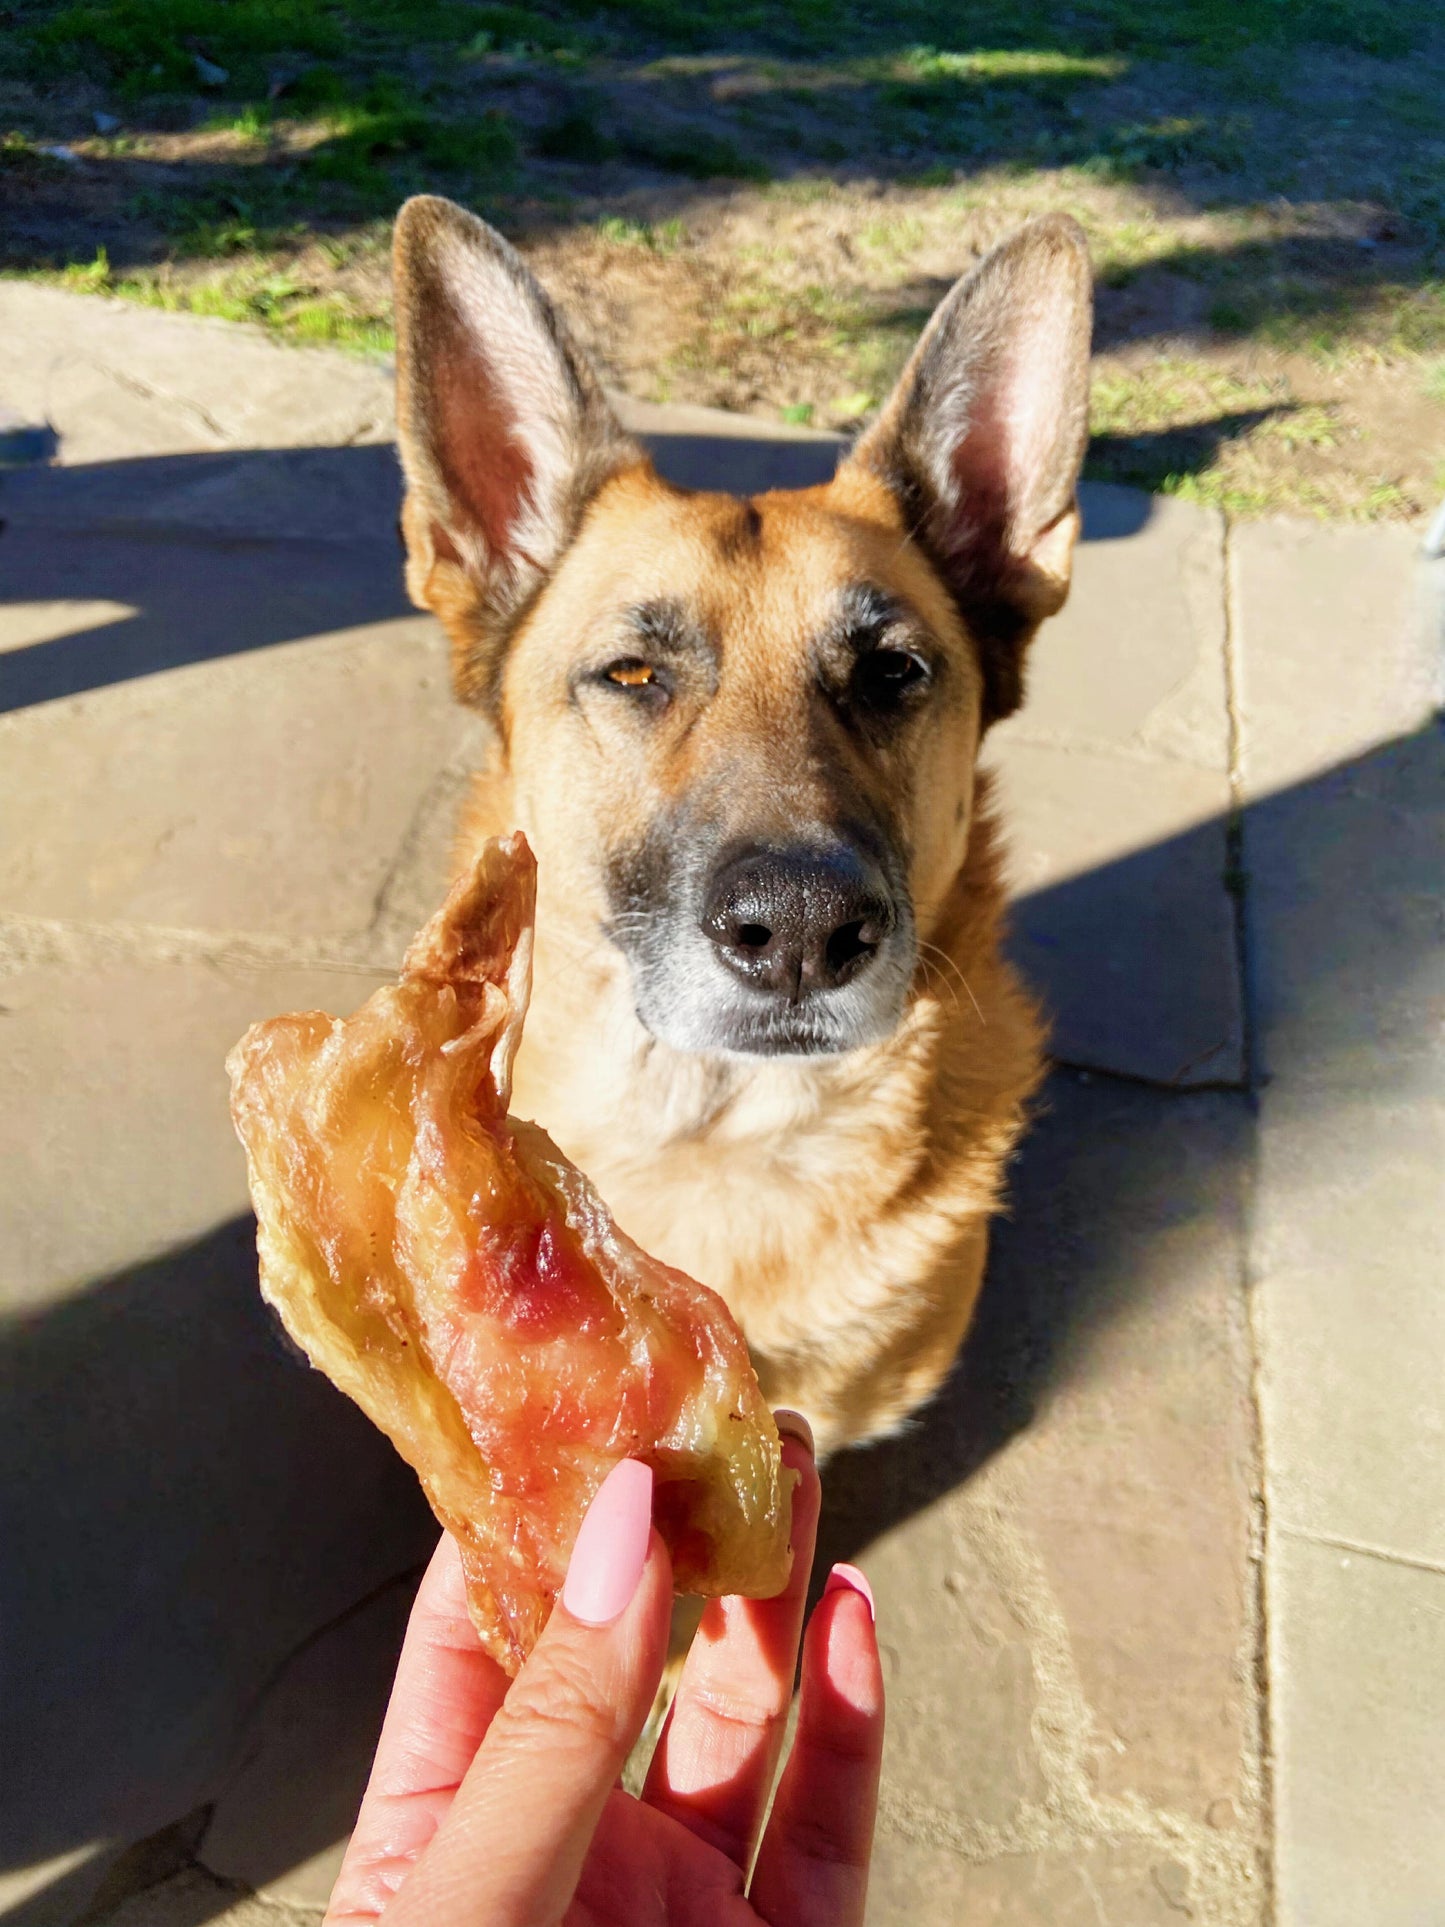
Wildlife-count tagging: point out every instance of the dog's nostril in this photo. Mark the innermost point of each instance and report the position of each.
(850, 942)
(753, 936)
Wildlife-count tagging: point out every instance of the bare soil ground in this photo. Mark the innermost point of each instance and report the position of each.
(734, 212)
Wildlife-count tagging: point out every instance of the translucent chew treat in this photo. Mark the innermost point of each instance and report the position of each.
(449, 1270)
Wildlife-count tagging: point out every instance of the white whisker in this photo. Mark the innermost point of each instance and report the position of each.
(952, 966)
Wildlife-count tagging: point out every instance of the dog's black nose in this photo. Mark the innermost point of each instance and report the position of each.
(797, 920)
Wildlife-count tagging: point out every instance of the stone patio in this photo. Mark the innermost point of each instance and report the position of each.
(1161, 1578)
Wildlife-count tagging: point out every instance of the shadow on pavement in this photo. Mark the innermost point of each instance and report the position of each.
(191, 1504)
(179, 544)
(192, 1501)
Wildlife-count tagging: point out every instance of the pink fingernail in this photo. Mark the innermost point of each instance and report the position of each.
(611, 1547)
(848, 1579)
(792, 1425)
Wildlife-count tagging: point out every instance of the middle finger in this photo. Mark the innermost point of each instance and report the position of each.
(714, 1764)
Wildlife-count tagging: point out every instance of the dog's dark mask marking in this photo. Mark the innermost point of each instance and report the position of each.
(763, 947)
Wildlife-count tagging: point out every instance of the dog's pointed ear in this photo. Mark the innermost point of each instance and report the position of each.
(504, 432)
(983, 437)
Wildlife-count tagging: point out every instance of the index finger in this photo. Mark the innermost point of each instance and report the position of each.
(446, 1693)
(512, 1845)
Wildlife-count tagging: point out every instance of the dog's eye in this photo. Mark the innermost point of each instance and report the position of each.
(631, 674)
(884, 678)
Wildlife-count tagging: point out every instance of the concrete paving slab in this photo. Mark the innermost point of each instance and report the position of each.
(1339, 640)
(1115, 780)
(1345, 919)
(194, 1899)
(1124, 1885)
(194, 1502)
(221, 1503)
(105, 1877)
(1349, 1244)
(350, 496)
(316, 1728)
(1357, 1675)
(1344, 851)
(1122, 920)
(705, 448)
(1350, 1255)
(170, 602)
(57, 1890)
(117, 381)
(1135, 660)
(331, 748)
(115, 1137)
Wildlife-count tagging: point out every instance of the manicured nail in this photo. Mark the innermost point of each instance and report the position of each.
(792, 1425)
(848, 1579)
(611, 1547)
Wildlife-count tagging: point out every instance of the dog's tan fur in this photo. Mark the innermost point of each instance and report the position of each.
(840, 1204)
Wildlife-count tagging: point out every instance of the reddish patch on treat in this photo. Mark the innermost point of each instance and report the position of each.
(533, 1276)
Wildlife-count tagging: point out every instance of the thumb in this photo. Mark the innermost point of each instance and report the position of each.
(510, 1850)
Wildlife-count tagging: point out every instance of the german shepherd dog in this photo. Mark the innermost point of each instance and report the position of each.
(771, 1017)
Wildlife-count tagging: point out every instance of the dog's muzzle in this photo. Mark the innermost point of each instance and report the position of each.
(768, 950)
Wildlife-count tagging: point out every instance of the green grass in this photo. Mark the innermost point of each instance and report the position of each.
(699, 155)
(19, 153)
(948, 83)
(576, 136)
(276, 301)
(523, 31)
(1212, 29)
(149, 46)
(666, 237)
(1181, 428)
(385, 125)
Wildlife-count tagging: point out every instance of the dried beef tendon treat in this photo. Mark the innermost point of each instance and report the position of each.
(449, 1270)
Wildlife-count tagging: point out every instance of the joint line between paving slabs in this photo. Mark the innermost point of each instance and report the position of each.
(1236, 873)
(32, 942)
(1236, 883)
(243, 1752)
(1139, 1081)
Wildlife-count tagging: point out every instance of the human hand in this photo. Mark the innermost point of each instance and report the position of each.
(496, 1802)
